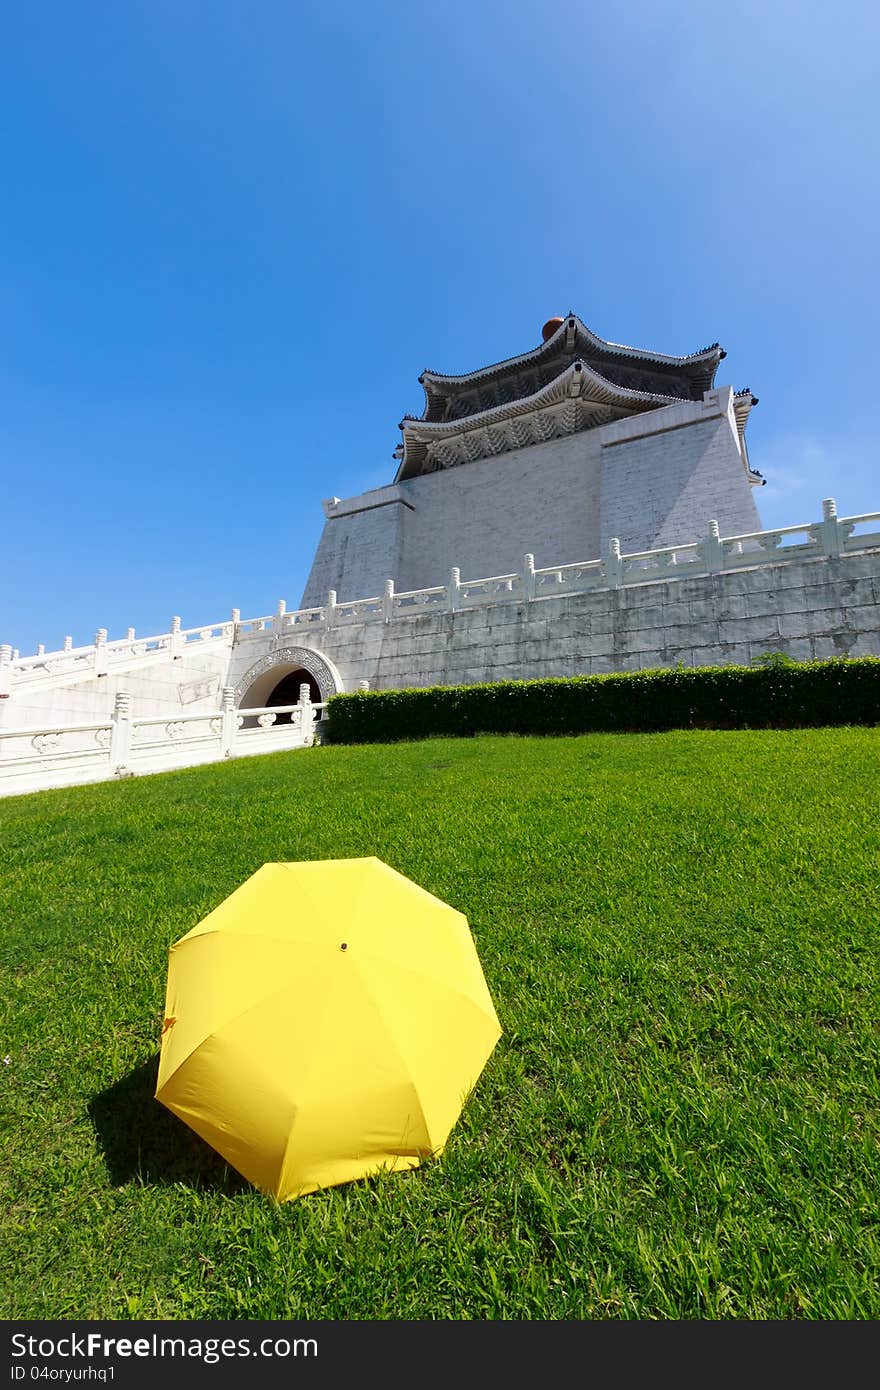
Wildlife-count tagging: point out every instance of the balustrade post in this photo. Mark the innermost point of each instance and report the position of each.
(830, 530)
(129, 634)
(529, 577)
(713, 550)
(176, 639)
(278, 621)
(453, 589)
(306, 720)
(100, 652)
(613, 565)
(68, 644)
(41, 649)
(228, 718)
(330, 608)
(120, 734)
(388, 601)
(5, 670)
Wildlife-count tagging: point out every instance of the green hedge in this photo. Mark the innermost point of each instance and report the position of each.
(780, 694)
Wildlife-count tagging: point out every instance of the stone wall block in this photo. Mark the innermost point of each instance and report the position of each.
(703, 610)
(645, 616)
(826, 620)
(730, 606)
(798, 648)
(602, 666)
(783, 600)
(675, 612)
(864, 618)
(717, 655)
(749, 629)
(861, 590)
(857, 566)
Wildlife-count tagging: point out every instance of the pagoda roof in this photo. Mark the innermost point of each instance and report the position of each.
(577, 398)
(575, 338)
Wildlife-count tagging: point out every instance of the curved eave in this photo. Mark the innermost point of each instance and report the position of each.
(578, 382)
(571, 334)
(743, 404)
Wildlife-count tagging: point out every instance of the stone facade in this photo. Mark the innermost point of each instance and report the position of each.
(816, 608)
(167, 684)
(598, 502)
(654, 479)
(665, 475)
(712, 602)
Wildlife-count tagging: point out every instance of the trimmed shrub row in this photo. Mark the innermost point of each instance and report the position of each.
(780, 694)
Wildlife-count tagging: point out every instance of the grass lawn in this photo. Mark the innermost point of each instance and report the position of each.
(680, 933)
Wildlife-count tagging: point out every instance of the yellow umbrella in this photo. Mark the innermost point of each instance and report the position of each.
(327, 1020)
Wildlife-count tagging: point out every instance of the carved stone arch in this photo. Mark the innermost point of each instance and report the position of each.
(286, 659)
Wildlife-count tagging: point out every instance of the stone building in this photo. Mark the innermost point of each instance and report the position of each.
(580, 509)
(553, 452)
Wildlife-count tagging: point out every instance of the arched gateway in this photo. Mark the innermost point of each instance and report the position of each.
(275, 679)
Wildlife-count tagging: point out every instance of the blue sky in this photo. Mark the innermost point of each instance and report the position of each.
(232, 235)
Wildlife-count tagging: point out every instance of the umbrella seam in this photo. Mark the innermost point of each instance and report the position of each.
(459, 994)
(392, 1040)
(233, 1018)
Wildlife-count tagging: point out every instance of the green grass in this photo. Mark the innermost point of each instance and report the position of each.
(680, 932)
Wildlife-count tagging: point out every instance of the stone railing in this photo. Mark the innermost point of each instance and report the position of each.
(102, 657)
(832, 537)
(60, 755)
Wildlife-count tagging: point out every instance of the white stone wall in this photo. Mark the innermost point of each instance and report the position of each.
(360, 547)
(817, 608)
(181, 685)
(652, 480)
(484, 516)
(806, 607)
(663, 485)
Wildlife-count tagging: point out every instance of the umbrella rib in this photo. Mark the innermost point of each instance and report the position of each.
(373, 957)
(399, 1048)
(392, 1039)
(232, 1018)
(432, 979)
(251, 936)
(392, 1043)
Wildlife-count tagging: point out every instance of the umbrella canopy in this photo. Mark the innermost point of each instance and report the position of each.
(327, 1020)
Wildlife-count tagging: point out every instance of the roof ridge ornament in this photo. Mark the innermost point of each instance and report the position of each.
(440, 382)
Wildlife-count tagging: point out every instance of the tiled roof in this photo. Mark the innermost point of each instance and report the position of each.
(578, 398)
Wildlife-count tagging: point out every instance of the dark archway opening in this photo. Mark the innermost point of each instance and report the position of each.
(286, 692)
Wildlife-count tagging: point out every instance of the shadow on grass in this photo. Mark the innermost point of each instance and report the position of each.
(143, 1142)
